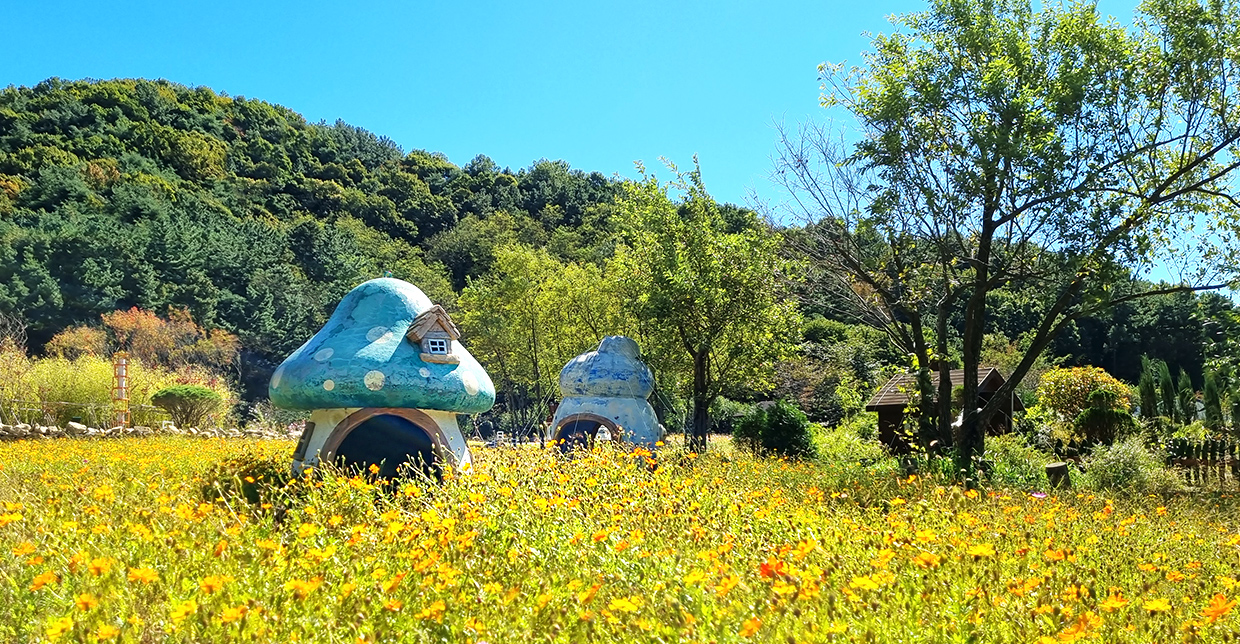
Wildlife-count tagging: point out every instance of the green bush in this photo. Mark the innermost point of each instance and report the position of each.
(848, 443)
(1103, 421)
(1016, 463)
(188, 405)
(252, 476)
(779, 429)
(1067, 391)
(1128, 466)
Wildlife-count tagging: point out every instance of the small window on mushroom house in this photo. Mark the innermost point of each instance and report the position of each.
(437, 346)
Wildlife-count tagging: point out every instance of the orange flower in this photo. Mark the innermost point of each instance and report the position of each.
(100, 565)
(393, 605)
(44, 578)
(302, 588)
(750, 627)
(1218, 607)
(86, 601)
(1113, 603)
(1053, 555)
(107, 632)
(231, 614)
(1086, 625)
(927, 560)
(22, 549)
(213, 583)
(143, 575)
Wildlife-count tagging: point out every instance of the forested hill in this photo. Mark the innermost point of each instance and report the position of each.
(125, 193)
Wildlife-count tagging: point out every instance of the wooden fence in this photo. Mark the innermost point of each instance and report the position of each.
(1204, 461)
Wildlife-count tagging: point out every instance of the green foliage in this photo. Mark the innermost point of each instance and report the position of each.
(1104, 420)
(714, 306)
(124, 193)
(851, 443)
(1212, 402)
(1015, 463)
(188, 405)
(1186, 397)
(1067, 391)
(1147, 391)
(1129, 467)
(778, 429)
(1167, 393)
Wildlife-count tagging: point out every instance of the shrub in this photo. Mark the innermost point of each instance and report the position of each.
(776, 429)
(188, 405)
(849, 443)
(1102, 421)
(1016, 463)
(1128, 466)
(1066, 391)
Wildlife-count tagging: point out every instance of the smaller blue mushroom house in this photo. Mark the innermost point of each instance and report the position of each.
(383, 380)
(604, 393)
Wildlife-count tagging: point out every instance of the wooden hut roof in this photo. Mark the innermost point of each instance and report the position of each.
(896, 392)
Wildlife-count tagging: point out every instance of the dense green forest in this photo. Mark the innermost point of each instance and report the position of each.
(124, 193)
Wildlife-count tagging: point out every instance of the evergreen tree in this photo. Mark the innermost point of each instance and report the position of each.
(1212, 401)
(1147, 389)
(1166, 390)
(1187, 399)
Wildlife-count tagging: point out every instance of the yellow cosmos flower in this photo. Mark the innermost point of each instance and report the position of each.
(233, 614)
(106, 632)
(927, 560)
(182, 609)
(302, 588)
(58, 627)
(1156, 605)
(213, 583)
(630, 604)
(981, 549)
(750, 627)
(1113, 603)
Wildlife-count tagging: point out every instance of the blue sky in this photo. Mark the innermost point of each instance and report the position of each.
(598, 84)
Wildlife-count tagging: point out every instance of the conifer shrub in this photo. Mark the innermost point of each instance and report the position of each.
(188, 405)
(780, 429)
(1104, 420)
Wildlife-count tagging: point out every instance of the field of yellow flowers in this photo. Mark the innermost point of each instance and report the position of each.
(201, 540)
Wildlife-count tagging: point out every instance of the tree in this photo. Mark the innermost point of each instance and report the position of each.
(1147, 390)
(188, 405)
(998, 145)
(532, 314)
(1187, 397)
(1212, 402)
(1167, 393)
(717, 300)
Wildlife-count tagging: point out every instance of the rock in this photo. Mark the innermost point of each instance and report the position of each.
(76, 429)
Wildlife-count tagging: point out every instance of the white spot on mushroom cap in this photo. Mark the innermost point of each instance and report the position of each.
(471, 384)
(277, 377)
(376, 333)
(374, 380)
(324, 354)
(329, 385)
(424, 372)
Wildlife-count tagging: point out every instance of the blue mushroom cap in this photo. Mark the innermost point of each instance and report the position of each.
(611, 371)
(361, 358)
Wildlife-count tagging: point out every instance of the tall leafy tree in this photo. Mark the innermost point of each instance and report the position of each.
(716, 300)
(1147, 390)
(989, 131)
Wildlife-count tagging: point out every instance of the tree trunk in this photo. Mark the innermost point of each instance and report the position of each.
(945, 374)
(701, 403)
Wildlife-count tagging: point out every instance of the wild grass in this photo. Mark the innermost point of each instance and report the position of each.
(194, 540)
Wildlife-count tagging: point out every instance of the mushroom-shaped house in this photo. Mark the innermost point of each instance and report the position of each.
(607, 387)
(383, 381)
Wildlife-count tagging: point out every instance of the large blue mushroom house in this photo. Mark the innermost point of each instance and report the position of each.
(604, 395)
(384, 381)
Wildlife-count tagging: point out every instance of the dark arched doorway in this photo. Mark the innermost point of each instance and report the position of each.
(393, 443)
(579, 430)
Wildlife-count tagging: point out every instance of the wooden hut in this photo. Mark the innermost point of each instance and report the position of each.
(892, 399)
